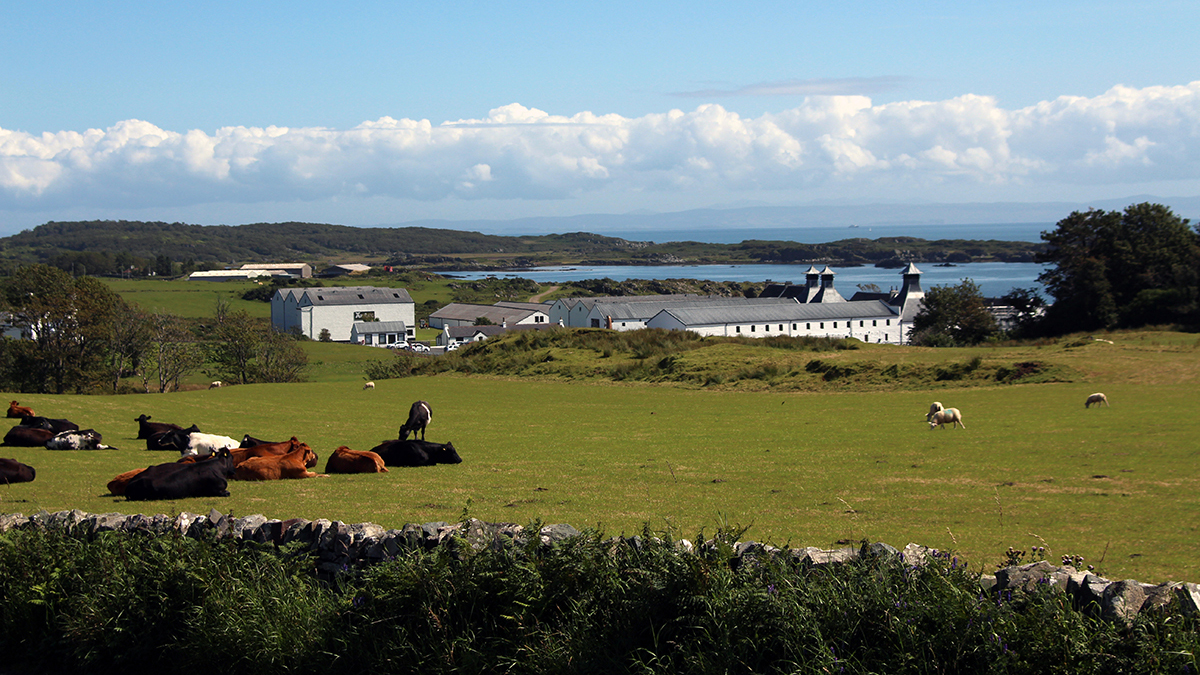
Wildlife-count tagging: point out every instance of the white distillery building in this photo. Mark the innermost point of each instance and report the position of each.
(635, 315)
(869, 321)
(337, 309)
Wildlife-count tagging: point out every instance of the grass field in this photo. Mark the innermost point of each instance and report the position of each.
(1118, 485)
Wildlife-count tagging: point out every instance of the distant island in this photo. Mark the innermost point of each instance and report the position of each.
(108, 247)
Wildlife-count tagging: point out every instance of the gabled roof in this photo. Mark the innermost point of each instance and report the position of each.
(461, 311)
(782, 313)
(459, 332)
(645, 310)
(354, 295)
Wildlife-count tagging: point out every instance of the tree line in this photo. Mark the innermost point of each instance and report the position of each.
(81, 337)
(1108, 269)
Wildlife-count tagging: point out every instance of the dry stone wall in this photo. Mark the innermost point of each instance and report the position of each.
(339, 547)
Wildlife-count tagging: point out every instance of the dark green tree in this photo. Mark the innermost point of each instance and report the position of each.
(174, 351)
(70, 322)
(1029, 308)
(163, 266)
(1113, 268)
(953, 316)
(234, 348)
(128, 344)
(279, 358)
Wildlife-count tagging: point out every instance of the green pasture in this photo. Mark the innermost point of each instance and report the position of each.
(1117, 485)
(198, 299)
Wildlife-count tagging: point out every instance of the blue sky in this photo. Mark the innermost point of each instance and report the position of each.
(376, 113)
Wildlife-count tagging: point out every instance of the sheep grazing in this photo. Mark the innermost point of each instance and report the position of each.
(949, 416)
(369, 385)
(934, 408)
(1097, 398)
(216, 385)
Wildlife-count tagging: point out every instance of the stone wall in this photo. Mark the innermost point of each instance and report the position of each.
(339, 547)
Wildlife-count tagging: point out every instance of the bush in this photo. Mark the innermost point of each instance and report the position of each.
(135, 603)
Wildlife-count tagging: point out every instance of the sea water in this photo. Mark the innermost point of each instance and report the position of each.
(994, 279)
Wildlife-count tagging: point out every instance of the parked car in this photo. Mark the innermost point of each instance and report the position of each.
(419, 347)
(452, 346)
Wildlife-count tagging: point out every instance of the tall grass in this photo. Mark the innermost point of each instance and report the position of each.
(126, 602)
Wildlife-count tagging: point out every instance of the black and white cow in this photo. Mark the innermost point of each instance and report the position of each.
(416, 453)
(87, 439)
(419, 415)
(12, 471)
(205, 478)
(175, 439)
(55, 425)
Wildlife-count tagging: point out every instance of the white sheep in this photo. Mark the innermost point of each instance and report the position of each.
(949, 415)
(1096, 398)
(369, 385)
(216, 385)
(934, 408)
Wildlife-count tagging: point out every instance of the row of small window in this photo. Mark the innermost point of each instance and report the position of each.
(808, 326)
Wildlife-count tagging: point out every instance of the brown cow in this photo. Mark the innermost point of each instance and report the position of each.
(277, 467)
(15, 410)
(345, 460)
(272, 450)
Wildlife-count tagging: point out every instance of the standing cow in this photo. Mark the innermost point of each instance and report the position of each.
(419, 415)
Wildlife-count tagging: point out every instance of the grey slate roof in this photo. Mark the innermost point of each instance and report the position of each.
(645, 310)
(374, 327)
(356, 295)
(460, 311)
(783, 313)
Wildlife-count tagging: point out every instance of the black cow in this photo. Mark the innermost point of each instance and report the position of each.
(27, 437)
(146, 428)
(175, 439)
(419, 415)
(249, 441)
(56, 425)
(206, 478)
(416, 453)
(12, 471)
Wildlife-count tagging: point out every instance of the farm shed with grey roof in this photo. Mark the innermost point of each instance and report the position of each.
(869, 321)
(466, 314)
(380, 333)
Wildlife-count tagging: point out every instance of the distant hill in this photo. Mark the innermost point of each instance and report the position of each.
(109, 247)
(266, 242)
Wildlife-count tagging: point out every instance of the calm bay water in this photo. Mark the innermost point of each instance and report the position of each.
(994, 279)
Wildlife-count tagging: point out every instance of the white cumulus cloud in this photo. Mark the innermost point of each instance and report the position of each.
(1124, 135)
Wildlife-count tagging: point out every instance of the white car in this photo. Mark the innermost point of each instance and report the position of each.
(419, 347)
(452, 346)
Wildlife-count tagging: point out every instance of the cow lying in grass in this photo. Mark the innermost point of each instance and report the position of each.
(278, 467)
(12, 471)
(416, 453)
(345, 460)
(180, 480)
(15, 410)
(88, 439)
